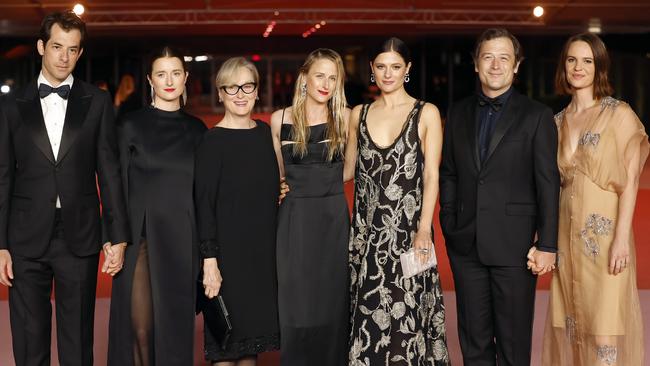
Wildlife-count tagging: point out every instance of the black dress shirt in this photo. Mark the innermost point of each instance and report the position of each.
(488, 115)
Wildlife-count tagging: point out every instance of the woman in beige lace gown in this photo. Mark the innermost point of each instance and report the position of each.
(594, 314)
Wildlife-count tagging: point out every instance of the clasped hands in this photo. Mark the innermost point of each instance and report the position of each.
(113, 258)
(540, 262)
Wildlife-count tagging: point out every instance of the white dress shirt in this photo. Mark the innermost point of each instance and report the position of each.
(54, 107)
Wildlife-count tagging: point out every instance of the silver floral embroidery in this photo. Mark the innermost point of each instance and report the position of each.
(609, 102)
(597, 225)
(600, 225)
(607, 354)
(592, 248)
(570, 324)
(589, 138)
(393, 192)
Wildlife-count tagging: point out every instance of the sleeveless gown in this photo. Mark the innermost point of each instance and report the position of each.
(312, 256)
(395, 321)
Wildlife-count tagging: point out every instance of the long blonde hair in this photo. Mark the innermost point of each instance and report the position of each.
(336, 133)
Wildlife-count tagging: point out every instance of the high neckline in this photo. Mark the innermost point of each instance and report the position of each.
(164, 113)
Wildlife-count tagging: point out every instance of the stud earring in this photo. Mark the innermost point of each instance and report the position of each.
(407, 78)
(372, 77)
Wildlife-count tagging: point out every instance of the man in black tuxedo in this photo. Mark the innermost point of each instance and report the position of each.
(499, 188)
(57, 140)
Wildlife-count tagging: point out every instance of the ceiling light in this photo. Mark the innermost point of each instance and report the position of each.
(78, 9)
(188, 58)
(201, 58)
(594, 25)
(538, 11)
(5, 89)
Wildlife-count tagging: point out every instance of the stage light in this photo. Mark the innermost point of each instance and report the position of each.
(5, 89)
(269, 29)
(256, 57)
(538, 11)
(276, 13)
(78, 9)
(594, 26)
(322, 22)
(201, 58)
(317, 26)
(188, 58)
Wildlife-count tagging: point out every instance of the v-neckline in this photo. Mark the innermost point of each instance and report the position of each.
(401, 133)
(565, 124)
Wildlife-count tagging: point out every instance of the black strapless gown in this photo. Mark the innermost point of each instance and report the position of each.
(312, 257)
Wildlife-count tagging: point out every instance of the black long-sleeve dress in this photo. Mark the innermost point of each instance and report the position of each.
(157, 158)
(236, 194)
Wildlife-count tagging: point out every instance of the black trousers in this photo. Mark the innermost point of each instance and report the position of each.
(495, 308)
(75, 281)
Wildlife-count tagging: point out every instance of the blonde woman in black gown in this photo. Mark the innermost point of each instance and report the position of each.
(313, 222)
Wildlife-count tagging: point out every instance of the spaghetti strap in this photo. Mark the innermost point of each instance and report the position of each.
(282, 119)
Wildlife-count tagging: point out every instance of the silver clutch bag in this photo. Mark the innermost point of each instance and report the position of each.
(411, 264)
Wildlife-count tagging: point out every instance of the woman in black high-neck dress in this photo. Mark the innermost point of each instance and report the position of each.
(152, 304)
(236, 194)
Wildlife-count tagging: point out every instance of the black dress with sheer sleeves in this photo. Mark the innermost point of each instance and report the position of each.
(157, 162)
(236, 194)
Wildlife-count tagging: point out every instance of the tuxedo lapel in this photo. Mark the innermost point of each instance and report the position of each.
(31, 113)
(75, 115)
(471, 125)
(508, 117)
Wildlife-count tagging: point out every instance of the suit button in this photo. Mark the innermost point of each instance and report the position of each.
(481, 182)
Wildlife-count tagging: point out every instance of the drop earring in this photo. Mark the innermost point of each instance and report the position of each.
(303, 89)
(407, 78)
(153, 97)
(372, 77)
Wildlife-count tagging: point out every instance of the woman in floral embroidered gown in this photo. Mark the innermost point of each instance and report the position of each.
(594, 315)
(395, 320)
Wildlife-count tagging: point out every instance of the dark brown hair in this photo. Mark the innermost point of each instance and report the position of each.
(602, 87)
(393, 44)
(493, 33)
(164, 51)
(167, 51)
(67, 20)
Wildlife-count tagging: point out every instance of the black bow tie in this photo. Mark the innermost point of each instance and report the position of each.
(494, 103)
(44, 90)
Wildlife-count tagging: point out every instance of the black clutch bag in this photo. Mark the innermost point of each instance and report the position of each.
(215, 315)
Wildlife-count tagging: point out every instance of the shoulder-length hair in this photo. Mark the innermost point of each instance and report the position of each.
(336, 132)
(602, 86)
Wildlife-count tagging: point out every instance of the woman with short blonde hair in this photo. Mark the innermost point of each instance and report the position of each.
(236, 190)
